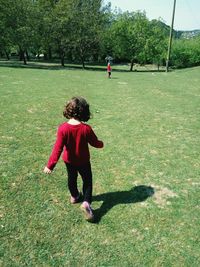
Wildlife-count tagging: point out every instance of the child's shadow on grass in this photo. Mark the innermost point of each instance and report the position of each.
(136, 194)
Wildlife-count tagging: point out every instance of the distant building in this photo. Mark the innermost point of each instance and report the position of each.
(190, 34)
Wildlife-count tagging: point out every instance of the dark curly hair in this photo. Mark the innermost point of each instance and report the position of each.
(77, 108)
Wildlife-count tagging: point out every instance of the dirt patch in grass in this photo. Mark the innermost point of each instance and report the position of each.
(162, 195)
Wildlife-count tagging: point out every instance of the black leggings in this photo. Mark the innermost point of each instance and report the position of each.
(86, 175)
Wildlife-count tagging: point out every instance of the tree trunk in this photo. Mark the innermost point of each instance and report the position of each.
(45, 56)
(24, 58)
(22, 55)
(49, 53)
(83, 62)
(27, 55)
(38, 55)
(62, 57)
(62, 61)
(7, 55)
(132, 63)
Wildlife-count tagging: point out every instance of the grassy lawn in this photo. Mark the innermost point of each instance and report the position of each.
(146, 179)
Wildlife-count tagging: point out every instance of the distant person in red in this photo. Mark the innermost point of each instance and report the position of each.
(109, 70)
(73, 138)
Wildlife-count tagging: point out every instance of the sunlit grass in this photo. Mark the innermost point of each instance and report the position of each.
(146, 179)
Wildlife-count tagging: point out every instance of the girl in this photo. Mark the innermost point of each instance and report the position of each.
(73, 138)
(109, 70)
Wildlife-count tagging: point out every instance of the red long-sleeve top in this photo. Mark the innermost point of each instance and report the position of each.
(73, 141)
(108, 68)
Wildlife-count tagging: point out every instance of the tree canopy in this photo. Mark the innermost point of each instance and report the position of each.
(86, 30)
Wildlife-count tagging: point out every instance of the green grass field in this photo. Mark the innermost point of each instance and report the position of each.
(146, 179)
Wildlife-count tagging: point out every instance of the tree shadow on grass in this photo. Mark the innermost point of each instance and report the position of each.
(136, 194)
(55, 66)
(45, 65)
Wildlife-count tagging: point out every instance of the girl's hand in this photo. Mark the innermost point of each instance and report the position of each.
(47, 170)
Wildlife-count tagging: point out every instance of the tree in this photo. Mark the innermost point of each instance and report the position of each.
(44, 34)
(186, 52)
(139, 30)
(62, 27)
(157, 42)
(87, 21)
(19, 29)
(119, 37)
(129, 33)
(5, 29)
(108, 17)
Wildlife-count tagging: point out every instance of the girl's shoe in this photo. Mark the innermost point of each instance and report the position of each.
(74, 200)
(86, 208)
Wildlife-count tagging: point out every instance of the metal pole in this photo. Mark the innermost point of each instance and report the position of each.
(170, 38)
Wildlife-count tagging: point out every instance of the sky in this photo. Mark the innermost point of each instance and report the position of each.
(187, 12)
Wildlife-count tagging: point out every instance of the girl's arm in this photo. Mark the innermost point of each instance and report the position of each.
(47, 170)
(93, 140)
(56, 152)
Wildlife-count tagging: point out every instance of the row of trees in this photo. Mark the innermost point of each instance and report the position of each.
(83, 30)
(132, 37)
(64, 27)
(186, 52)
